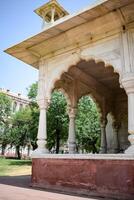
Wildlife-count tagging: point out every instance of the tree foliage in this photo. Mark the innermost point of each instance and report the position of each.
(5, 108)
(33, 126)
(20, 131)
(57, 121)
(5, 112)
(87, 125)
(32, 92)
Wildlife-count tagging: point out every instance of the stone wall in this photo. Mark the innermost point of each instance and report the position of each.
(97, 177)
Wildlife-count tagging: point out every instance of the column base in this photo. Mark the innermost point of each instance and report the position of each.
(38, 152)
(130, 150)
(103, 150)
(114, 151)
(72, 148)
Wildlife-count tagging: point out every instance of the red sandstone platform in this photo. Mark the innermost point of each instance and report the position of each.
(103, 176)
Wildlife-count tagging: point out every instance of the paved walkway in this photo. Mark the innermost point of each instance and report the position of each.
(18, 193)
(17, 188)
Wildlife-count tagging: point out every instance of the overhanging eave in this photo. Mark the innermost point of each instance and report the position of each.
(28, 51)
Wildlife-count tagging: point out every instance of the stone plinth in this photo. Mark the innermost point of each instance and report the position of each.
(106, 176)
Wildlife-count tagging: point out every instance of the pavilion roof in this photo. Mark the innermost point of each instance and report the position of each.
(60, 35)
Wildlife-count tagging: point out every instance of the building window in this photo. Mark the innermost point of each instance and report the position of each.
(21, 106)
(14, 106)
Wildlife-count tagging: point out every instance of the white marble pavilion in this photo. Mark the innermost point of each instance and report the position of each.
(89, 52)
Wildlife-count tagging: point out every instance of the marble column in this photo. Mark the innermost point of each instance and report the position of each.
(52, 15)
(128, 84)
(115, 126)
(72, 136)
(42, 129)
(103, 148)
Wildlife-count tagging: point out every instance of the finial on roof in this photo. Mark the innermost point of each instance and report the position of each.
(51, 12)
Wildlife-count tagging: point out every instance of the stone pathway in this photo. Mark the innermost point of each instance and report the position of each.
(17, 193)
(18, 188)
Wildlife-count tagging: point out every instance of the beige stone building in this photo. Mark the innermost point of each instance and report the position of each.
(89, 52)
(18, 101)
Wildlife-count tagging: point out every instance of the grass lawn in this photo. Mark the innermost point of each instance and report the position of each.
(10, 167)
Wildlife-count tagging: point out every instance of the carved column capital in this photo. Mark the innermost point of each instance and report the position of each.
(43, 103)
(72, 112)
(103, 122)
(42, 62)
(128, 82)
(116, 125)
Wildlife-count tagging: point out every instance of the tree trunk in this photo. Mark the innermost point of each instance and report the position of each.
(94, 148)
(18, 152)
(34, 146)
(28, 150)
(57, 141)
(3, 149)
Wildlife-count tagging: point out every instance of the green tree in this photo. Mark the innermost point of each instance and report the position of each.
(20, 133)
(33, 128)
(87, 125)
(32, 92)
(5, 113)
(57, 121)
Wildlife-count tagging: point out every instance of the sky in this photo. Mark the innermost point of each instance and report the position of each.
(18, 22)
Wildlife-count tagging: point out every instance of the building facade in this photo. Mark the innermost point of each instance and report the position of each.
(18, 101)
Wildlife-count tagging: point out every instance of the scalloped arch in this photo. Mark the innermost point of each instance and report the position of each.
(98, 105)
(78, 58)
(65, 94)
